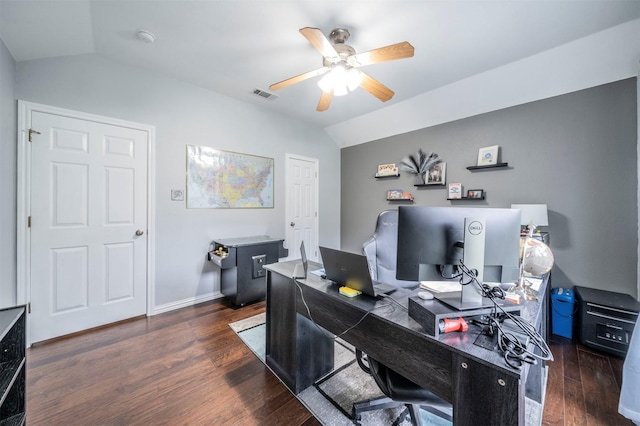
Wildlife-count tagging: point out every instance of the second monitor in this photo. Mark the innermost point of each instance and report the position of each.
(431, 243)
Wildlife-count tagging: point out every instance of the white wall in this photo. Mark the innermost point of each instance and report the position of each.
(8, 108)
(185, 114)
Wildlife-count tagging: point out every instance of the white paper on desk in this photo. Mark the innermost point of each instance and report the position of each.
(534, 282)
(441, 286)
(318, 272)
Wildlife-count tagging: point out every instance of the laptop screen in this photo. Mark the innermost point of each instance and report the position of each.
(300, 270)
(303, 256)
(347, 269)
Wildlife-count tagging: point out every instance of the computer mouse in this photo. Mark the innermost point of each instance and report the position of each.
(425, 295)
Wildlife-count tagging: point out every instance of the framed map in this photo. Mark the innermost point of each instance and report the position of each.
(228, 180)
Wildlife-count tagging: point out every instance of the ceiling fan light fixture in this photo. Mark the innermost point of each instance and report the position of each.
(340, 80)
(340, 90)
(339, 66)
(354, 78)
(326, 83)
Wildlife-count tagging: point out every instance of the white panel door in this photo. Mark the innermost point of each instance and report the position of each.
(302, 216)
(88, 231)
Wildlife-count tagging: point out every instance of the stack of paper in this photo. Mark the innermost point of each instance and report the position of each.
(441, 286)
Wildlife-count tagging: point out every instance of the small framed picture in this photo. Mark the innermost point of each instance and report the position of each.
(387, 170)
(436, 175)
(394, 194)
(475, 193)
(488, 155)
(398, 194)
(455, 190)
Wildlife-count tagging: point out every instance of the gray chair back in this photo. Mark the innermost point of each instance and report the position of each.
(381, 249)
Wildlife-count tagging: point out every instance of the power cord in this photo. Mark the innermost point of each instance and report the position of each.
(515, 352)
(386, 296)
(322, 330)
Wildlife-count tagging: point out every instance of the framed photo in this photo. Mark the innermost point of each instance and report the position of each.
(475, 193)
(455, 191)
(398, 194)
(387, 170)
(436, 175)
(394, 194)
(488, 155)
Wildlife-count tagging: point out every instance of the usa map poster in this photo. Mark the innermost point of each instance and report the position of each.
(228, 180)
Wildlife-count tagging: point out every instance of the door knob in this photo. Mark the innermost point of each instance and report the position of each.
(293, 224)
(139, 232)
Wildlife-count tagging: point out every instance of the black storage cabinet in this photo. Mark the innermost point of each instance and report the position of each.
(242, 278)
(606, 319)
(13, 366)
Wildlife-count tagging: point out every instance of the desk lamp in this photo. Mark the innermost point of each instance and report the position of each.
(532, 215)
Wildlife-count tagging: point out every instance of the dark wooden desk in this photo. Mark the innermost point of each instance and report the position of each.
(481, 387)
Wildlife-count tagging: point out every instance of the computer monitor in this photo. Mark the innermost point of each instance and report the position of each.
(431, 242)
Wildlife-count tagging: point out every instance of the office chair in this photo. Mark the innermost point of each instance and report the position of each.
(399, 391)
(381, 249)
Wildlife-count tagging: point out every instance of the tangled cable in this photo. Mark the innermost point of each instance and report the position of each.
(515, 352)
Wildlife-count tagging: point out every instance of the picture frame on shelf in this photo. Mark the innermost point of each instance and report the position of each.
(394, 194)
(385, 170)
(475, 194)
(455, 191)
(436, 175)
(398, 194)
(488, 155)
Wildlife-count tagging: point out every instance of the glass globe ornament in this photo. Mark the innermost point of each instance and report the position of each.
(538, 258)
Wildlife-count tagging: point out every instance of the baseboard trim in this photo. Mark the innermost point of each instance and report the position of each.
(168, 307)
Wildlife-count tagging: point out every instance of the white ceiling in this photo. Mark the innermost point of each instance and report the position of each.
(235, 46)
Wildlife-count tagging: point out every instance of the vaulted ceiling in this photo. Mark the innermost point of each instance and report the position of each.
(235, 46)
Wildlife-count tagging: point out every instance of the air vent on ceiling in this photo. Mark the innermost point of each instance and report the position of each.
(264, 94)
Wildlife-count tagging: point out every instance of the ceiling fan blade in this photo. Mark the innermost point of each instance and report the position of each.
(325, 101)
(383, 54)
(376, 88)
(319, 41)
(298, 78)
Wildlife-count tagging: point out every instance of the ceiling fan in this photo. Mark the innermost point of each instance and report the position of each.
(340, 64)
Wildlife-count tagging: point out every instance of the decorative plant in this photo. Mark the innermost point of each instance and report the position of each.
(420, 164)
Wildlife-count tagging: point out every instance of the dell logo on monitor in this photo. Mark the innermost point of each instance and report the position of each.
(475, 228)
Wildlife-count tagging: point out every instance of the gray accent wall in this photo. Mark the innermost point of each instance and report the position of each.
(577, 153)
(8, 110)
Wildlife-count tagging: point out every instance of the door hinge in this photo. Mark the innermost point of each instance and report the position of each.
(29, 222)
(29, 307)
(31, 132)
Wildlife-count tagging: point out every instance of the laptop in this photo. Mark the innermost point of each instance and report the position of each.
(351, 270)
(300, 270)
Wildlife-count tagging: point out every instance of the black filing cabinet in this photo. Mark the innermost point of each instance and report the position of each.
(242, 278)
(606, 319)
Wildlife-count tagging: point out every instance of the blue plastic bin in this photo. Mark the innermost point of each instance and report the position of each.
(562, 311)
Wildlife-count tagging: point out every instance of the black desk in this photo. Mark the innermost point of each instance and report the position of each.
(481, 387)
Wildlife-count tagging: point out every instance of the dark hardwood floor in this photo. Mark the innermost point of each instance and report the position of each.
(187, 367)
(583, 386)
